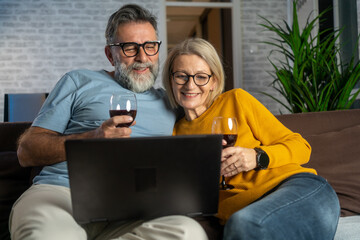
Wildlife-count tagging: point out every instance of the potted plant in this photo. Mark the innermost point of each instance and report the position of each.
(310, 75)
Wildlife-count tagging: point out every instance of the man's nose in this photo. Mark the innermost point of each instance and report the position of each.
(141, 56)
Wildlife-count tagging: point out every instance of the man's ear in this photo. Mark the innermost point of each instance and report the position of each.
(109, 55)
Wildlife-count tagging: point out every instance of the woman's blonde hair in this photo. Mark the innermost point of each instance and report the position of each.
(203, 49)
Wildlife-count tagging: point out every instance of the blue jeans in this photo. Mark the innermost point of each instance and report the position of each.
(304, 206)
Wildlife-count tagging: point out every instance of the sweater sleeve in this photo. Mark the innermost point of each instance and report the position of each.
(281, 144)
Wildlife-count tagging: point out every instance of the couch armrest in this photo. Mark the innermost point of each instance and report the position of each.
(9, 133)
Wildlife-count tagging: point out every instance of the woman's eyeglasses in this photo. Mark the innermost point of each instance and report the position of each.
(200, 79)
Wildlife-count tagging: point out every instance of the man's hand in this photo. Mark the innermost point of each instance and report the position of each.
(108, 128)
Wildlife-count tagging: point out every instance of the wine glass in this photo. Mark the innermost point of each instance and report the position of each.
(123, 104)
(227, 126)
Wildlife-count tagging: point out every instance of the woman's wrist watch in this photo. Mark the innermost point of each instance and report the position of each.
(262, 159)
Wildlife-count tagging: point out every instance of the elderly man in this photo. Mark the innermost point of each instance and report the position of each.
(78, 107)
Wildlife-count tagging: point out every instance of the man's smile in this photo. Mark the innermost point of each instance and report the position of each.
(141, 70)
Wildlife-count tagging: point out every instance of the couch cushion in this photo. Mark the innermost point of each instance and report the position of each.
(336, 157)
(348, 228)
(211, 226)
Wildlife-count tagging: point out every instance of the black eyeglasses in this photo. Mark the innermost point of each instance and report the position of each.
(200, 79)
(131, 49)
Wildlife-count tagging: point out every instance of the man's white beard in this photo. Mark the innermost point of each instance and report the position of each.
(133, 81)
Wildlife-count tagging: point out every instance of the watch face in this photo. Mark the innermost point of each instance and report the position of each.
(262, 159)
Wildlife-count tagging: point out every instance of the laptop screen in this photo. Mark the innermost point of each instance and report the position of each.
(141, 178)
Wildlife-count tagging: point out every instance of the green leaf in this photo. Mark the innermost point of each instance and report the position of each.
(308, 73)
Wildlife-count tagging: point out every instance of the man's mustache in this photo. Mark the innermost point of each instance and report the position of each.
(137, 65)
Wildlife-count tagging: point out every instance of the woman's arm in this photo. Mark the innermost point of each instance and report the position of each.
(264, 131)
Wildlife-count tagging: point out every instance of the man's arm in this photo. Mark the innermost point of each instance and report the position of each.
(39, 146)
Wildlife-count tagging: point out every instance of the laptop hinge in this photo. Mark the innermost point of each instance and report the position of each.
(194, 214)
(98, 220)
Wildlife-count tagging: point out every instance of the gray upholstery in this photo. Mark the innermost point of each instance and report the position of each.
(348, 228)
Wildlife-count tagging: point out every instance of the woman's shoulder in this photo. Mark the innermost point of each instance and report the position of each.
(234, 93)
(237, 98)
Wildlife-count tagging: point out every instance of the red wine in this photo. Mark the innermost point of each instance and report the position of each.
(131, 113)
(230, 140)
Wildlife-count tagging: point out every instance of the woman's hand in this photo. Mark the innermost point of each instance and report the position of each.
(237, 159)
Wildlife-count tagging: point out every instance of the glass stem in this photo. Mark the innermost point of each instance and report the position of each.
(223, 183)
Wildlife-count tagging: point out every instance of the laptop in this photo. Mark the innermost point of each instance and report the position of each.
(143, 178)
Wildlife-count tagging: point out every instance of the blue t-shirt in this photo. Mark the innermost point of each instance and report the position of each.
(80, 102)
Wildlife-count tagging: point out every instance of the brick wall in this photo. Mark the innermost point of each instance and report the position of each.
(256, 66)
(40, 40)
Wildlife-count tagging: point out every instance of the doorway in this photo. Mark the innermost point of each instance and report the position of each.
(208, 20)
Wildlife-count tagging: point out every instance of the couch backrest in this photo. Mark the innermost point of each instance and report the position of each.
(334, 137)
(320, 122)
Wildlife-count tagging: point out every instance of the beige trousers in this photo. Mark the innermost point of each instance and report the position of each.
(44, 212)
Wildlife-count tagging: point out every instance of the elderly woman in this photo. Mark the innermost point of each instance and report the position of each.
(274, 197)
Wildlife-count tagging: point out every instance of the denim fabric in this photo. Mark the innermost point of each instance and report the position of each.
(304, 206)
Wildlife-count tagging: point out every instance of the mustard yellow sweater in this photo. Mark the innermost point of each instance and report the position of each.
(257, 128)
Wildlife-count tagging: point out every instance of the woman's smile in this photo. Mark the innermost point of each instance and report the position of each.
(190, 95)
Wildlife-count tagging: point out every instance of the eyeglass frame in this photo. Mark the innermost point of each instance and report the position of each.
(121, 45)
(193, 77)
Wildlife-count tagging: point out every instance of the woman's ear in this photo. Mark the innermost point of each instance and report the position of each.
(213, 84)
(109, 55)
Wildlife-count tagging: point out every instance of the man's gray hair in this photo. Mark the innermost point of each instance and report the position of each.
(126, 14)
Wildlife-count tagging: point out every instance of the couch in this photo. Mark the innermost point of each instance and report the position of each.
(333, 135)
(335, 139)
